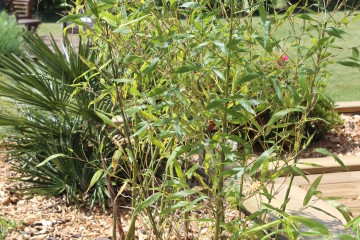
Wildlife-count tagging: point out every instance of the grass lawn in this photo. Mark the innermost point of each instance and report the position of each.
(46, 28)
(344, 82)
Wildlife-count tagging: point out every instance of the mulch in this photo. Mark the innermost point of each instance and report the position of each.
(343, 141)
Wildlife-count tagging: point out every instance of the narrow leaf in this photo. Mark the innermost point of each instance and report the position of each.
(337, 159)
(95, 178)
(312, 190)
(51, 158)
(260, 160)
(277, 116)
(262, 12)
(105, 119)
(147, 202)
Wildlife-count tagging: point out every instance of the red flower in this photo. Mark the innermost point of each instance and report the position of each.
(285, 58)
(282, 60)
(211, 125)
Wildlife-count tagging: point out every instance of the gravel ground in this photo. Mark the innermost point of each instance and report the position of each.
(51, 218)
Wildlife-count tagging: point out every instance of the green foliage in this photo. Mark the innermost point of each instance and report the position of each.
(325, 117)
(10, 34)
(6, 225)
(47, 120)
(159, 85)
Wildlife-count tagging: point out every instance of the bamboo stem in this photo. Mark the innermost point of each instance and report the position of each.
(219, 205)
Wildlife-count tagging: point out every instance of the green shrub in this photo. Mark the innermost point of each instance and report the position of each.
(10, 34)
(168, 71)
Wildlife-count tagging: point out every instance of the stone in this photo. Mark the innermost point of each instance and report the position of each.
(31, 219)
(14, 199)
(6, 201)
(204, 231)
(39, 237)
(46, 223)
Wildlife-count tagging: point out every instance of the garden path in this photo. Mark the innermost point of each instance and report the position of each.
(74, 39)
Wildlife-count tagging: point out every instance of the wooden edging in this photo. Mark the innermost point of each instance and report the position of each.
(328, 164)
(347, 107)
(331, 178)
(321, 165)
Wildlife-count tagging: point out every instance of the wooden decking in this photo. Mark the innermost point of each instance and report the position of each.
(345, 186)
(337, 186)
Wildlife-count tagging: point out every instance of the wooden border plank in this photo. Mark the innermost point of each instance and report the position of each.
(321, 165)
(347, 107)
(338, 177)
(329, 165)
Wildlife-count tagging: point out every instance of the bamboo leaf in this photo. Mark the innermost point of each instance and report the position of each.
(277, 116)
(349, 63)
(95, 178)
(248, 77)
(260, 160)
(337, 159)
(305, 17)
(190, 5)
(277, 88)
(262, 12)
(355, 52)
(147, 202)
(246, 105)
(141, 130)
(222, 47)
(157, 143)
(267, 28)
(130, 22)
(312, 190)
(334, 32)
(181, 194)
(115, 159)
(173, 207)
(215, 103)
(148, 115)
(186, 68)
(109, 1)
(121, 189)
(109, 18)
(312, 224)
(71, 17)
(105, 119)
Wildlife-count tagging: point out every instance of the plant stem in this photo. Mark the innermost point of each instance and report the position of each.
(116, 211)
(219, 205)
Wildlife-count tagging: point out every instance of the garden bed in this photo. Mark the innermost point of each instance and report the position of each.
(52, 218)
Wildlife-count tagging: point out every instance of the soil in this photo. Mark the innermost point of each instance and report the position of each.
(51, 218)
